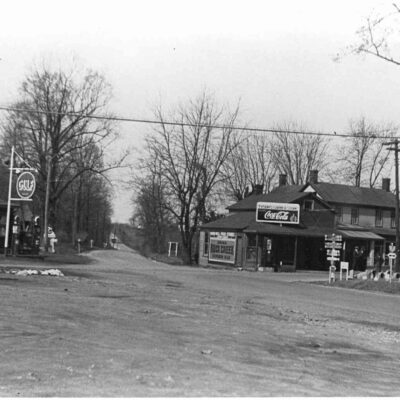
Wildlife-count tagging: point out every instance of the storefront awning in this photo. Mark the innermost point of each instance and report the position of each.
(366, 235)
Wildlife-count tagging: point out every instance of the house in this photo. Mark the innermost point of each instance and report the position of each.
(256, 234)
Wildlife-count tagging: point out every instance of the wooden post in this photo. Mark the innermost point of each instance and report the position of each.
(295, 253)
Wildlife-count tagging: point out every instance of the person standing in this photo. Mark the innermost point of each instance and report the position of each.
(52, 239)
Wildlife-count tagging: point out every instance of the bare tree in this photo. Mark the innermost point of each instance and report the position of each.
(379, 34)
(363, 158)
(296, 154)
(52, 127)
(190, 156)
(249, 164)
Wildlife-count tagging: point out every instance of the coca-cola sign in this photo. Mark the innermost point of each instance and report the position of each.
(278, 213)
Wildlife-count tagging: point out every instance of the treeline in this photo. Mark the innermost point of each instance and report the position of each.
(51, 128)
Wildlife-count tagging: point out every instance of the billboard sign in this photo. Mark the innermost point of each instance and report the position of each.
(222, 247)
(278, 213)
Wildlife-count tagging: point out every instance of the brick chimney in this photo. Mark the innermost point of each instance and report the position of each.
(258, 189)
(386, 184)
(313, 176)
(282, 179)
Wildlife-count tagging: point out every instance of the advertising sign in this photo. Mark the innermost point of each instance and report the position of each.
(278, 213)
(222, 247)
(26, 185)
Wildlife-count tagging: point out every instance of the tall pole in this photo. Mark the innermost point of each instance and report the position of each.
(396, 157)
(9, 202)
(46, 204)
(395, 143)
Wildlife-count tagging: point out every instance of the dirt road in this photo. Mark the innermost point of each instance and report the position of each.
(127, 326)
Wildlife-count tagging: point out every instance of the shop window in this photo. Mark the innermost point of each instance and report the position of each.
(308, 205)
(206, 243)
(354, 216)
(251, 251)
(393, 219)
(251, 240)
(378, 217)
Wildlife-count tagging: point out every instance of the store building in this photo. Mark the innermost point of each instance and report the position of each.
(285, 229)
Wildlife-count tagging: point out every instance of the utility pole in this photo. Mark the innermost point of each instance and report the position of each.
(46, 204)
(395, 148)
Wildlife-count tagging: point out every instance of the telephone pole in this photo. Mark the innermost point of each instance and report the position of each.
(395, 148)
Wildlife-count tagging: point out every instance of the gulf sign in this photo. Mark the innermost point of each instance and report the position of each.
(26, 185)
(278, 213)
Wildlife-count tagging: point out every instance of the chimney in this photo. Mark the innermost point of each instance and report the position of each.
(258, 189)
(282, 179)
(386, 184)
(313, 176)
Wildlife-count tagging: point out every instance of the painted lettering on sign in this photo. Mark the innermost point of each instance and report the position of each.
(222, 247)
(287, 213)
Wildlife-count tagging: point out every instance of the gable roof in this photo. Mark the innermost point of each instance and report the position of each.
(351, 195)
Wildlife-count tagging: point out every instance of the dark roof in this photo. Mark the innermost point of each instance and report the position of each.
(234, 221)
(282, 194)
(351, 195)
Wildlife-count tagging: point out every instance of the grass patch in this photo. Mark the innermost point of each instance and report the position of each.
(369, 284)
(165, 259)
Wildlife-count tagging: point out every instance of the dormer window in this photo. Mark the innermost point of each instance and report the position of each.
(308, 205)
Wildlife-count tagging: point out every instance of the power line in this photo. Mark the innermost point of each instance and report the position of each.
(187, 124)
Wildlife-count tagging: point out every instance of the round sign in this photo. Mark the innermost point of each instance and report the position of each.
(392, 255)
(26, 185)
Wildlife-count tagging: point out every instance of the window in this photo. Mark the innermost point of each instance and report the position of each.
(378, 217)
(308, 205)
(393, 219)
(206, 243)
(354, 216)
(339, 214)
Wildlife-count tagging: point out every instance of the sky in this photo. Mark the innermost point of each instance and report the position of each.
(275, 57)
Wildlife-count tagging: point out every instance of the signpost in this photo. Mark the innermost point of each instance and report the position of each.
(26, 185)
(333, 244)
(392, 257)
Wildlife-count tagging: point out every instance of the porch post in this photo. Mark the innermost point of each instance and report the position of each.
(244, 250)
(372, 253)
(257, 251)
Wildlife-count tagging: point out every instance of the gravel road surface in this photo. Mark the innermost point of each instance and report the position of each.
(127, 326)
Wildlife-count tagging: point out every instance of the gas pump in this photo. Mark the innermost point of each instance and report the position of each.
(36, 235)
(16, 229)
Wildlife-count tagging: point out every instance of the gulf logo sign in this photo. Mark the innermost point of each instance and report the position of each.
(26, 185)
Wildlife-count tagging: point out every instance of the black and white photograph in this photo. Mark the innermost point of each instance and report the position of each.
(199, 198)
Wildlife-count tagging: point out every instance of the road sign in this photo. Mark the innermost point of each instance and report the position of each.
(392, 255)
(331, 258)
(333, 245)
(392, 248)
(333, 252)
(26, 184)
(333, 237)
